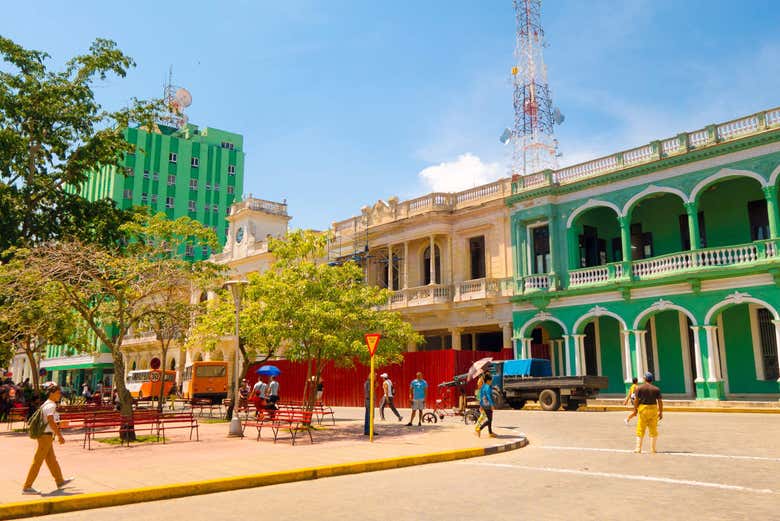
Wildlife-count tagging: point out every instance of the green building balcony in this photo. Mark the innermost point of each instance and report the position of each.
(700, 263)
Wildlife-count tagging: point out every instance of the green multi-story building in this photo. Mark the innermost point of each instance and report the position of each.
(190, 172)
(663, 258)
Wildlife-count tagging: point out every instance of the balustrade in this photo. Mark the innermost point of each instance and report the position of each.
(536, 282)
(587, 276)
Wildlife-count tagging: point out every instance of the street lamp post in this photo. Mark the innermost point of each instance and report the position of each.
(236, 288)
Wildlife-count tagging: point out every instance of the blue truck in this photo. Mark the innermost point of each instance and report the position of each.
(517, 381)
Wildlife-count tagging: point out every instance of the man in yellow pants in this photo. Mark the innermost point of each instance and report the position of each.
(649, 406)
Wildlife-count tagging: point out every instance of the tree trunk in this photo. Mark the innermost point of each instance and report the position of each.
(125, 400)
(164, 349)
(28, 350)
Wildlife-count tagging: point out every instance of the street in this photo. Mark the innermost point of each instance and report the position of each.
(578, 466)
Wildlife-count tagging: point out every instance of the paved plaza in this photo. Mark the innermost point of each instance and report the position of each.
(578, 466)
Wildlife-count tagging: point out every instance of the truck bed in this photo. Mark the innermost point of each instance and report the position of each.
(528, 383)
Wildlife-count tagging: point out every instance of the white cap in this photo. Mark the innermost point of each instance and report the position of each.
(383, 375)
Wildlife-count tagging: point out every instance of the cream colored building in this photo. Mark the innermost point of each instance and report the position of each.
(251, 223)
(461, 299)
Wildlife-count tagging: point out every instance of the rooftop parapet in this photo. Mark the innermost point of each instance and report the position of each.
(654, 151)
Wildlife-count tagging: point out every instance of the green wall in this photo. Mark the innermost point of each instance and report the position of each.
(660, 216)
(739, 354)
(605, 221)
(670, 357)
(611, 354)
(726, 213)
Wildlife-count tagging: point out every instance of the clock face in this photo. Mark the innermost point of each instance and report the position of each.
(240, 234)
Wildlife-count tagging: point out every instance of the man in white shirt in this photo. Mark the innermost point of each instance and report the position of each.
(387, 398)
(45, 450)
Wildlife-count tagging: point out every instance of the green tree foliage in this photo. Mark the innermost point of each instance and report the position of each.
(52, 134)
(117, 290)
(322, 311)
(31, 316)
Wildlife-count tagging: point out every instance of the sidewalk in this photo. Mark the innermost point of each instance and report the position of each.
(111, 468)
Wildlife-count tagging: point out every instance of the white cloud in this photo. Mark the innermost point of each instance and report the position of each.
(465, 172)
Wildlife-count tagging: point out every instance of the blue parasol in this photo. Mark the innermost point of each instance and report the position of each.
(269, 370)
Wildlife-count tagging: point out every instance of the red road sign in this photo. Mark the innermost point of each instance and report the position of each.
(372, 340)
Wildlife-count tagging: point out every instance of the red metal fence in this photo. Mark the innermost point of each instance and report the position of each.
(344, 387)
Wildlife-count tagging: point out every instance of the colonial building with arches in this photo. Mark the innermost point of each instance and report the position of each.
(665, 258)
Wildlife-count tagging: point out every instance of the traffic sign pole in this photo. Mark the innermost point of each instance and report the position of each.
(372, 341)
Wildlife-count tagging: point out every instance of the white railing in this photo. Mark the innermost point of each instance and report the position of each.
(261, 205)
(493, 190)
(772, 249)
(638, 155)
(573, 173)
(541, 282)
(472, 286)
(772, 117)
(738, 127)
(586, 276)
(727, 256)
(698, 138)
(670, 146)
(662, 265)
(421, 296)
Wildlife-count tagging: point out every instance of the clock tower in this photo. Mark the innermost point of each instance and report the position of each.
(252, 222)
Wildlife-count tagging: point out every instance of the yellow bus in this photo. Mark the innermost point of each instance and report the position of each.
(205, 380)
(144, 384)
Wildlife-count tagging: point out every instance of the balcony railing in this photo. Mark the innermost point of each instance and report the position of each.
(662, 266)
(713, 134)
(459, 292)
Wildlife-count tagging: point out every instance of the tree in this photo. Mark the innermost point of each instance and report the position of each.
(31, 316)
(53, 133)
(322, 311)
(115, 289)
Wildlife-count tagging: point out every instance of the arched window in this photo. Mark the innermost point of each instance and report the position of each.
(427, 265)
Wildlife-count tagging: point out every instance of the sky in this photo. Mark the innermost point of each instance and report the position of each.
(343, 103)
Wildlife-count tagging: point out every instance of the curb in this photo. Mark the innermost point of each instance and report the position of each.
(60, 505)
(612, 408)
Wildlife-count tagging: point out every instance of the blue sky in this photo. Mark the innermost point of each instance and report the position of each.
(343, 103)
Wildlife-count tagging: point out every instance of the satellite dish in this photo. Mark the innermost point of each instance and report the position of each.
(505, 136)
(183, 96)
(558, 116)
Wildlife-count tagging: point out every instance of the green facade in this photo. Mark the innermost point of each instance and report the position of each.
(205, 179)
(662, 258)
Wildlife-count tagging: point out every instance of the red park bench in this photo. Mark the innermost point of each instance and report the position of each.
(292, 420)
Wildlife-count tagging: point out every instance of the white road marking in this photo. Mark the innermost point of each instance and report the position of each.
(671, 453)
(635, 477)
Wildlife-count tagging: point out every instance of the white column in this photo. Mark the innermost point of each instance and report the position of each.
(553, 345)
(777, 340)
(578, 352)
(514, 347)
(526, 353)
(627, 372)
(639, 340)
(568, 354)
(455, 333)
(432, 264)
(697, 354)
(712, 352)
(406, 264)
(561, 358)
(390, 267)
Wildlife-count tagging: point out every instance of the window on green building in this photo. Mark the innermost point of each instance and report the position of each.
(191, 206)
(766, 333)
(169, 202)
(231, 169)
(171, 180)
(230, 190)
(540, 249)
(195, 162)
(127, 194)
(193, 184)
(172, 157)
(759, 220)
(156, 176)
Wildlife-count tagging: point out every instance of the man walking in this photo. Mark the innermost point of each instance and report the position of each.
(45, 450)
(387, 398)
(273, 392)
(417, 391)
(649, 406)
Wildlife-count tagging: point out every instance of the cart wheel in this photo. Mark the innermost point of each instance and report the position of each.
(429, 417)
(470, 417)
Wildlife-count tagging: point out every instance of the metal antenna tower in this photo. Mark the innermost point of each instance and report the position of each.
(534, 147)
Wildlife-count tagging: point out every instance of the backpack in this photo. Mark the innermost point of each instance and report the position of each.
(37, 424)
